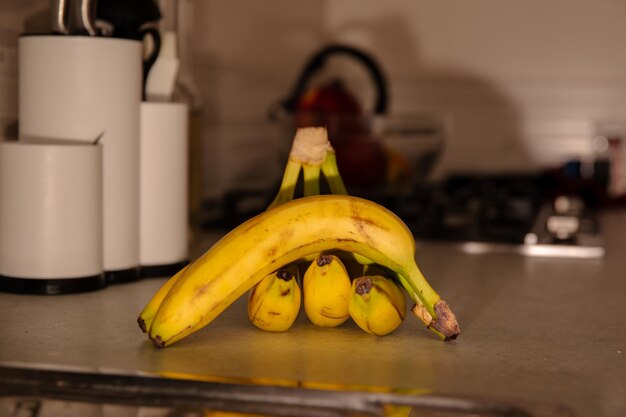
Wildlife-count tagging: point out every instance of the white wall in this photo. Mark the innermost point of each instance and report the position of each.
(246, 56)
(13, 17)
(526, 83)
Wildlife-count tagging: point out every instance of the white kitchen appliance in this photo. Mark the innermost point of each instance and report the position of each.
(78, 88)
(164, 219)
(50, 217)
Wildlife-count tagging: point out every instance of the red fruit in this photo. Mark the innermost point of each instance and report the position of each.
(330, 105)
(362, 162)
(331, 98)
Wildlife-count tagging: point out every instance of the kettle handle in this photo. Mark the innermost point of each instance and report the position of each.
(317, 62)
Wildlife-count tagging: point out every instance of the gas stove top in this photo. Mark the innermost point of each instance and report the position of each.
(519, 214)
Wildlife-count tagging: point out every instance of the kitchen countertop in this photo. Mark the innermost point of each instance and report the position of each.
(533, 329)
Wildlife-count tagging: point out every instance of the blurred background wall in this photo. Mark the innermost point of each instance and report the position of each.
(522, 84)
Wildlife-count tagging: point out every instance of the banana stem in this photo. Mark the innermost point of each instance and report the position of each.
(311, 179)
(429, 307)
(412, 294)
(331, 173)
(419, 287)
(288, 183)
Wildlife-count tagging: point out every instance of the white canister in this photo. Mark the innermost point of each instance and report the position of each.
(164, 213)
(50, 218)
(78, 88)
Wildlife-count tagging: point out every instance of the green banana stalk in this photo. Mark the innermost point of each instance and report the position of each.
(331, 173)
(288, 183)
(312, 154)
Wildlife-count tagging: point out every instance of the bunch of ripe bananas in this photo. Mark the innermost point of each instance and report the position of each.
(373, 299)
(328, 234)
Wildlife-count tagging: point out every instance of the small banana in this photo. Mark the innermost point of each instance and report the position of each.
(274, 303)
(377, 305)
(326, 287)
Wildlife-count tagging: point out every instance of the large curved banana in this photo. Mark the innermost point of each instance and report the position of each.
(312, 154)
(274, 303)
(326, 286)
(377, 305)
(282, 235)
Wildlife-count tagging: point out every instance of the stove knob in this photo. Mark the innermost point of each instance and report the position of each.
(568, 204)
(563, 227)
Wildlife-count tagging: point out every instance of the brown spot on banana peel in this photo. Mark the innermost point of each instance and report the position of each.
(271, 252)
(363, 285)
(324, 260)
(287, 233)
(204, 288)
(201, 290)
(362, 221)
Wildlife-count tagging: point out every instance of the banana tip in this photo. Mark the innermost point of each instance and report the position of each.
(157, 341)
(142, 324)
